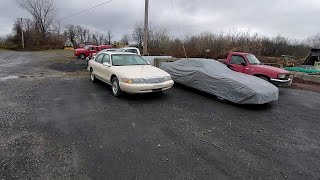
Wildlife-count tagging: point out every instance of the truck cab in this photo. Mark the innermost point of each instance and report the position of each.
(248, 63)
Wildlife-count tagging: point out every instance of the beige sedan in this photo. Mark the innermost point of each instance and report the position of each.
(128, 72)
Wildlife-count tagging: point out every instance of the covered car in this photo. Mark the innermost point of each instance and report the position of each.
(216, 78)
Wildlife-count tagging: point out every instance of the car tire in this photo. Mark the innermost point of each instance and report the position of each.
(82, 56)
(115, 88)
(264, 78)
(87, 62)
(92, 76)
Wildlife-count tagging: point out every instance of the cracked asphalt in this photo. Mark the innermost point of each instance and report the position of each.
(56, 124)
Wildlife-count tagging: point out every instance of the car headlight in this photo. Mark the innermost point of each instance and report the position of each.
(127, 80)
(282, 76)
(167, 78)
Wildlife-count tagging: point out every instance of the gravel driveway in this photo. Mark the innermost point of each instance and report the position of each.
(56, 124)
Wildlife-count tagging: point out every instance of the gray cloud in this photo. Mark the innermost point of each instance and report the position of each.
(291, 18)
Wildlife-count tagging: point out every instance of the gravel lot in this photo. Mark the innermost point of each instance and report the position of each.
(56, 124)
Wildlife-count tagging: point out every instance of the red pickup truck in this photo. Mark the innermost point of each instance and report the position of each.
(82, 53)
(247, 63)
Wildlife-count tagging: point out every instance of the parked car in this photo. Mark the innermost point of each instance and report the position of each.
(215, 78)
(128, 72)
(247, 63)
(130, 50)
(82, 53)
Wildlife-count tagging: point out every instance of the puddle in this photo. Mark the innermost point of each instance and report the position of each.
(8, 77)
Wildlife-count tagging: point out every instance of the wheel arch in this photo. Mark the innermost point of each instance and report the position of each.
(259, 75)
(262, 75)
(112, 76)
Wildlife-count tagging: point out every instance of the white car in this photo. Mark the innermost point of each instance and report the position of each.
(130, 50)
(128, 72)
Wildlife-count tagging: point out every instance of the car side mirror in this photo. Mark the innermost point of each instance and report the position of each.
(243, 64)
(106, 64)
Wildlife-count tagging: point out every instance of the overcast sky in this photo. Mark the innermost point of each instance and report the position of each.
(296, 19)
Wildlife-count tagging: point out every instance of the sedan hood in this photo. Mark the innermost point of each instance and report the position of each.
(140, 71)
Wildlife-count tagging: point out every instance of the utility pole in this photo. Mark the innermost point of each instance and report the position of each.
(146, 28)
(22, 37)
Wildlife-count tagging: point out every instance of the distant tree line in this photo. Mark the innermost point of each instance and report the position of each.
(217, 45)
(43, 31)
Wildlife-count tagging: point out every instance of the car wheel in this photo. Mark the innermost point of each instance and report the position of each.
(92, 76)
(116, 91)
(264, 78)
(87, 62)
(82, 56)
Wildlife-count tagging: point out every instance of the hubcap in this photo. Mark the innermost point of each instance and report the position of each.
(115, 87)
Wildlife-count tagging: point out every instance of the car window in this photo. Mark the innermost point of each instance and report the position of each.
(106, 58)
(99, 58)
(253, 60)
(132, 51)
(127, 60)
(237, 60)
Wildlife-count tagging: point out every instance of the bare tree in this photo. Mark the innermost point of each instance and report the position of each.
(42, 12)
(94, 37)
(314, 41)
(125, 39)
(71, 33)
(138, 34)
(109, 37)
(57, 27)
(80, 34)
(101, 38)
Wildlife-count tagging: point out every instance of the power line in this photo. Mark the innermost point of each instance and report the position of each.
(85, 10)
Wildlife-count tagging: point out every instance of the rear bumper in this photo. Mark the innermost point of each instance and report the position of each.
(284, 83)
(145, 88)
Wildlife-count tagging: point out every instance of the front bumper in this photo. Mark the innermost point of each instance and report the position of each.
(145, 88)
(280, 82)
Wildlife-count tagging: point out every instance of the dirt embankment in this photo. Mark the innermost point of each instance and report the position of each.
(305, 85)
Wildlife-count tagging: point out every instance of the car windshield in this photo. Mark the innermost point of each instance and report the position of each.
(252, 59)
(87, 47)
(120, 50)
(127, 60)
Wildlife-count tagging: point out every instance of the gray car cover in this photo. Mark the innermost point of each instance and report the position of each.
(213, 77)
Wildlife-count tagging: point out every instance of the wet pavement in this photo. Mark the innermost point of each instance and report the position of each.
(57, 126)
